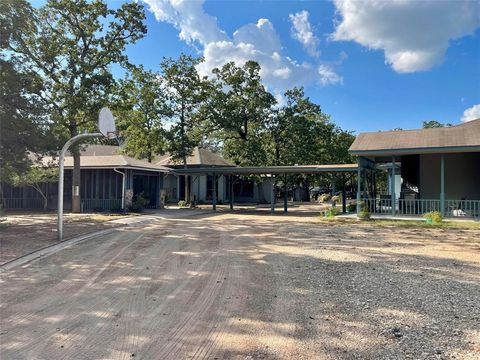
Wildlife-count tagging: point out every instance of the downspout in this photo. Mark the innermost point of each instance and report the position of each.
(123, 187)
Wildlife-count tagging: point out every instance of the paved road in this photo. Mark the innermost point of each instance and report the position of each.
(246, 288)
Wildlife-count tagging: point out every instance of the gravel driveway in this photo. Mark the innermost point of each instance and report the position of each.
(249, 287)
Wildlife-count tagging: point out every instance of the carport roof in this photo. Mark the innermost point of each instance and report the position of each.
(460, 138)
(268, 170)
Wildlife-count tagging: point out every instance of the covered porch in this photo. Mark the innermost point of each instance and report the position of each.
(410, 173)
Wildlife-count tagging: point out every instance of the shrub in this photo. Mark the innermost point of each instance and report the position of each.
(352, 207)
(331, 212)
(138, 203)
(433, 217)
(336, 199)
(364, 213)
(325, 197)
(182, 204)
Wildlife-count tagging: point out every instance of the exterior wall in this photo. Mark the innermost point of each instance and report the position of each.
(170, 185)
(462, 176)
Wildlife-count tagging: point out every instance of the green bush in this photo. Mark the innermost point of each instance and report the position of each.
(433, 217)
(352, 207)
(364, 213)
(325, 197)
(331, 212)
(138, 203)
(182, 204)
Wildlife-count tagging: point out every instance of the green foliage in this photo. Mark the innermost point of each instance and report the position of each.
(182, 204)
(22, 126)
(186, 92)
(434, 124)
(352, 207)
(141, 105)
(325, 197)
(433, 217)
(35, 177)
(331, 212)
(138, 203)
(72, 45)
(237, 111)
(364, 214)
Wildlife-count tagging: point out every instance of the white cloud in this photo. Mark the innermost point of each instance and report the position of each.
(328, 76)
(188, 17)
(255, 41)
(471, 113)
(414, 35)
(302, 31)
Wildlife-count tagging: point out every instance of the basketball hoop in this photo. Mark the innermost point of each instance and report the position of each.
(106, 123)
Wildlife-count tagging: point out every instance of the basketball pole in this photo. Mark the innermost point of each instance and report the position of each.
(61, 161)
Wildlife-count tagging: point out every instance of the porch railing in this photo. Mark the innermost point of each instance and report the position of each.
(102, 204)
(21, 203)
(453, 208)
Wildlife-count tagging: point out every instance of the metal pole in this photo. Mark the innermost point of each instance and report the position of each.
(123, 187)
(393, 186)
(285, 195)
(231, 192)
(214, 193)
(442, 185)
(272, 196)
(359, 185)
(61, 161)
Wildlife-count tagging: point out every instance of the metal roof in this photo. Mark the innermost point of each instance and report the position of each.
(460, 138)
(268, 170)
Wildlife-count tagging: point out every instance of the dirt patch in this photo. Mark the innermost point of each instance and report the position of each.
(248, 286)
(21, 234)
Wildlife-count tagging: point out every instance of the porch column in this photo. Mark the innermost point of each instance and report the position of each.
(442, 185)
(231, 192)
(359, 185)
(285, 195)
(344, 198)
(272, 196)
(392, 187)
(214, 193)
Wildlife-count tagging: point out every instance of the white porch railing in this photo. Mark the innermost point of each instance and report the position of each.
(453, 208)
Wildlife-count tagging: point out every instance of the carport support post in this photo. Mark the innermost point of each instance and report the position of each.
(285, 195)
(392, 179)
(214, 193)
(359, 185)
(231, 192)
(272, 196)
(442, 185)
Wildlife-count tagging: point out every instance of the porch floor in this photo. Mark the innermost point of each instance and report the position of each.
(408, 217)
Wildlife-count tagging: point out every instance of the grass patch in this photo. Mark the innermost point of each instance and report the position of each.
(445, 224)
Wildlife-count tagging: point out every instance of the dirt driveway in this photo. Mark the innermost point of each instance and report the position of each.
(249, 287)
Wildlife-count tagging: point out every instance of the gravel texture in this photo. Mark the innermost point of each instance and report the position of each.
(236, 286)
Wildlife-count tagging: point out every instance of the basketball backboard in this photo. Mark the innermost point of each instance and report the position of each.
(106, 123)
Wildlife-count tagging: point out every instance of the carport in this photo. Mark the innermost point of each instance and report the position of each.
(272, 171)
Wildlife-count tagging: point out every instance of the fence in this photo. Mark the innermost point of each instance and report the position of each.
(21, 203)
(453, 208)
(101, 204)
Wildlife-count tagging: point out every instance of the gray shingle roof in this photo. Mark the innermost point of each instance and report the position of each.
(199, 157)
(463, 137)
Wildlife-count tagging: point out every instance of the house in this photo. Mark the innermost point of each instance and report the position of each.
(435, 169)
(108, 181)
(201, 185)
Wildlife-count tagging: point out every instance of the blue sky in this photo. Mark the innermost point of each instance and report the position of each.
(398, 64)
